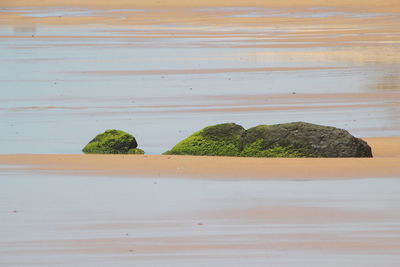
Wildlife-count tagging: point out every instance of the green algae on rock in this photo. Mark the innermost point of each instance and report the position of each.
(218, 140)
(303, 139)
(112, 142)
(292, 140)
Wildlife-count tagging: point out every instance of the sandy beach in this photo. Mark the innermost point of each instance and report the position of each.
(386, 163)
(162, 70)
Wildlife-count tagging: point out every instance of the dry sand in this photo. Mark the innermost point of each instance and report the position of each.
(386, 163)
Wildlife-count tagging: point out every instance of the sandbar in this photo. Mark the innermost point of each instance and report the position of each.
(386, 163)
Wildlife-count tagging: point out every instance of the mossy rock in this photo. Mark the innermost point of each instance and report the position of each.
(218, 140)
(297, 139)
(112, 142)
(308, 140)
(259, 149)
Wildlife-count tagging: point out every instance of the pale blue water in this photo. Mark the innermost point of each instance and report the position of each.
(53, 101)
(42, 215)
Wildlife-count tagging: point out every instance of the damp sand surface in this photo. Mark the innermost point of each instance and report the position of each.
(58, 219)
(162, 70)
(386, 163)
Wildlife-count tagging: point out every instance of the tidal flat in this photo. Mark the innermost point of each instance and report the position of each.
(63, 220)
(162, 70)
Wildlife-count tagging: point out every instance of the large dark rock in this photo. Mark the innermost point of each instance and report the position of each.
(113, 142)
(297, 139)
(307, 140)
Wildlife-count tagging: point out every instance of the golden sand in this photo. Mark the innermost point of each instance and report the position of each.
(386, 163)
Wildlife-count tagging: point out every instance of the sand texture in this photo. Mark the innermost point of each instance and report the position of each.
(164, 69)
(386, 163)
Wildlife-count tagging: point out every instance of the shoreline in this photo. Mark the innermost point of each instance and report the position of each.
(389, 5)
(385, 164)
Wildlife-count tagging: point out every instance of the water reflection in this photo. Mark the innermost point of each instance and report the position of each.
(388, 81)
(56, 81)
(25, 30)
(185, 222)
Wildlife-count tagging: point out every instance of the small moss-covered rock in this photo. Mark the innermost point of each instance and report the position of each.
(218, 140)
(291, 140)
(111, 142)
(137, 151)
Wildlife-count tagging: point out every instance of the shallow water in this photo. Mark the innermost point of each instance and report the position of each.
(67, 74)
(61, 220)
(63, 83)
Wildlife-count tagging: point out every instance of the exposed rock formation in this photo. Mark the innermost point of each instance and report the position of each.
(113, 142)
(296, 139)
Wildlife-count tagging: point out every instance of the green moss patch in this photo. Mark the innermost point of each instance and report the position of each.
(218, 140)
(258, 149)
(290, 140)
(111, 142)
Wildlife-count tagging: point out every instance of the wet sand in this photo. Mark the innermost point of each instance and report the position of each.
(298, 24)
(63, 219)
(385, 164)
(196, 71)
(162, 70)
